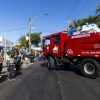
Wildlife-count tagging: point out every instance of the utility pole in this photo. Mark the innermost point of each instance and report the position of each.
(5, 39)
(29, 29)
(68, 23)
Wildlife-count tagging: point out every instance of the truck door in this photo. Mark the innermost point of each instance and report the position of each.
(46, 45)
(56, 45)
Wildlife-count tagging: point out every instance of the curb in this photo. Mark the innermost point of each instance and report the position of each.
(4, 69)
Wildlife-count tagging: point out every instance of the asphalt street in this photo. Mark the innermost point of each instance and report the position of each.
(38, 83)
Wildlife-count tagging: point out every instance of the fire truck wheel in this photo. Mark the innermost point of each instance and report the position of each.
(51, 63)
(90, 68)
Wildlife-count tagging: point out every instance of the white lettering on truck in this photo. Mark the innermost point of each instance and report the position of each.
(80, 36)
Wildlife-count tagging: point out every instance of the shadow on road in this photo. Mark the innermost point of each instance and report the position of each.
(44, 64)
(74, 68)
(3, 78)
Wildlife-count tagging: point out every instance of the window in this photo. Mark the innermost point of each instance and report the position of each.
(47, 42)
(56, 40)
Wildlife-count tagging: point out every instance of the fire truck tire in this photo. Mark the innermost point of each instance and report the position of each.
(90, 68)
(51, 63)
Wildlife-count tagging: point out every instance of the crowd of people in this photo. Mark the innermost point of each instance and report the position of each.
(18, 56)
(11, 55)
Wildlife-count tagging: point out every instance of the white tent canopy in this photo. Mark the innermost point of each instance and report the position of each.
(36, 48)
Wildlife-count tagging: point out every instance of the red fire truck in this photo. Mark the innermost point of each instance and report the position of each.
(81, 49)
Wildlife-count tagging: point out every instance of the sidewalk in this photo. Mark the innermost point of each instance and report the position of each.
(24, 65)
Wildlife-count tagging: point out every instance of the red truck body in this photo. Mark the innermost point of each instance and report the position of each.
(73, 48)
(83, 45)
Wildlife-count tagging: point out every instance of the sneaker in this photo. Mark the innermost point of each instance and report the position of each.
(10, 79)
(0, 76)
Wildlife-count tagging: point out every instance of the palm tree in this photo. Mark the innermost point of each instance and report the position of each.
(97, 20)
(91, 19)
(98, 10)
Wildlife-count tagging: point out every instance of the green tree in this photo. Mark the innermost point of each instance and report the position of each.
(97, 20)
(98, 15)
(34, 37)
(23, 42)
(98, 10)
(91, 19)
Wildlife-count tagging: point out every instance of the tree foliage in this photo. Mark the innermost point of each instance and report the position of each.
(34, 37)
(23, 42)
(98, 10)
(91, 19)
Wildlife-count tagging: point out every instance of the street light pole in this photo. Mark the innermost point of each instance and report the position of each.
(5, 46)
(29, 29)
(68, 23)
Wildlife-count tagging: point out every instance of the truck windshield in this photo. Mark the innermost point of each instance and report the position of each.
(46, 42)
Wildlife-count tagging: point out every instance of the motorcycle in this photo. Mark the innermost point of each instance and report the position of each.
(13, 69)
(1, 67)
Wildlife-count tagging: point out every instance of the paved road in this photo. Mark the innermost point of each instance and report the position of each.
(38, 83)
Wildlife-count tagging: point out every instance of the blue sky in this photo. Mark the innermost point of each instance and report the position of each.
(14, 14)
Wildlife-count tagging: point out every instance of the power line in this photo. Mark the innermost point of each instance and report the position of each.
(75, 11)
(73, 8)
(10, 30)
(82, 8)
(73, 14)
(68, 23)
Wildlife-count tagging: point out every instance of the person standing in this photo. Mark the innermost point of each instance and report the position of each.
(72, 30)
(1, 62)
